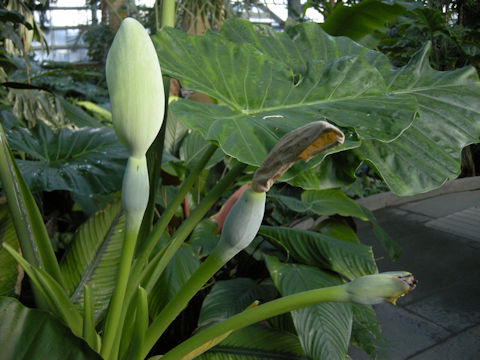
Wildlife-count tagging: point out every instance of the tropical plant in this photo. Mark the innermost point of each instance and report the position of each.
(268, 90)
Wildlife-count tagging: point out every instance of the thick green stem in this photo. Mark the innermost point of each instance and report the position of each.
(197, 214)
(135, 192)
(180, 301)
(256, 314)
(144, 252)
(184, 230)
(157, 231)
(115, 310)
(168, 13)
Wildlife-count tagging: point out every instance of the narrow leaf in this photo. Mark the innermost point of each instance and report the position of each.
(10, 277)
(31, 231)
(89, 333)
(53, 292)
(77, 115)
(139, 326)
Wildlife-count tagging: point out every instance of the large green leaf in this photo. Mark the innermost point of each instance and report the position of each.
(33, 334)
(257, 343)
(266, 99)
(9, 271)
(428, 153)
(361, 19)
(330, 202)
(268, 83)
(310, 248)
(324, 329)
(93, 258)
(53, 293)
(192, 149)
(85, 161)
(338, 228)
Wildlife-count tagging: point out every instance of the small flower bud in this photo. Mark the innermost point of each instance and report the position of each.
(220, 217)
(242, 224)
(135, 87)
(387, 286)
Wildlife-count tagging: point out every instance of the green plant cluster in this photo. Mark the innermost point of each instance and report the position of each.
(289, 290)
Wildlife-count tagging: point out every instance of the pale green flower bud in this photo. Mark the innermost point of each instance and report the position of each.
(374, 289)
(242, 224)
(135, 87)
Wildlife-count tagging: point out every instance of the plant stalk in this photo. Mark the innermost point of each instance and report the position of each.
(113, 323)
(168, 13)
(144, 251)
(180, 301)
(197, 214)
(254, 315)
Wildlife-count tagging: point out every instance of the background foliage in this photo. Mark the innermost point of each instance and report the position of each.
(405, 127)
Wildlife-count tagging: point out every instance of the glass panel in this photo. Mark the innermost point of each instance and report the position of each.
(60, 37)
(69, 17)
(72, 36)
(69, 3)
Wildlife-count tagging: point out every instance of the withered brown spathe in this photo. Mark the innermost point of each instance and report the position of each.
(302, 143)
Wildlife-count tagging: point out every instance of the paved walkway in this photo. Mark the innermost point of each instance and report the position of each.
(440, 238)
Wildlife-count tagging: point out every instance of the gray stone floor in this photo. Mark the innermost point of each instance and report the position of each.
(440, 239)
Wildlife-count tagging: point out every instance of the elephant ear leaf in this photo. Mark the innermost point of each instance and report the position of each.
(84, 161)
(312, 77)
(409, 123)
(428, 153)
(34, 334)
